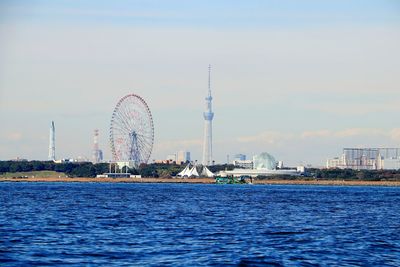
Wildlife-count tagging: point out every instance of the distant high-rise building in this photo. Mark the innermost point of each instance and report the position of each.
(367, 159)
(97, 156)
(239, 157)
(183, 156)
(208, 117)
(52, 142)
(101, 155)
(171, 157)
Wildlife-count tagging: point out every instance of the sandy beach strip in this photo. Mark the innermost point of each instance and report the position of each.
(111, 180)
(201, 181)
(328, 182)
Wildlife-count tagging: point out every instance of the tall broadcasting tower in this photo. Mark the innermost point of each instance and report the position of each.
(208, 117)
(52, 142)
(97, 153)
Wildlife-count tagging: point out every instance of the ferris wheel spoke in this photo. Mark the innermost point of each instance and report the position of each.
(142, 144)
(122, 120)
(124, 114)
(121, 133)
(139, 132)
(119, 128)
(126, 111)
(131, 110)
(145, 129)
(145, 141)
(122, 127)
(145, 150)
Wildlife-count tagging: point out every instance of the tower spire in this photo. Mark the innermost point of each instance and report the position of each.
(208, 117)
(209, 79)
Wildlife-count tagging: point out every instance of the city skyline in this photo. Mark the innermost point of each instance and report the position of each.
(300, 81)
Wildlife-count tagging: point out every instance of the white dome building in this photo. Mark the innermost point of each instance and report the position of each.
(264, 161)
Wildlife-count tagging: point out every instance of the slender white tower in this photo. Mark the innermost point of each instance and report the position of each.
(52, 142)
(208, 117)
(96, 153)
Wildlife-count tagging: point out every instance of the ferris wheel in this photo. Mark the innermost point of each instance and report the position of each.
(131, 130)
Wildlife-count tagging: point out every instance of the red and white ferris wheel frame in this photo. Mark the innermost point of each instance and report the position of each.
(131, 116)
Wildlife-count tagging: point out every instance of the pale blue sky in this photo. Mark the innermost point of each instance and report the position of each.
(299, 79)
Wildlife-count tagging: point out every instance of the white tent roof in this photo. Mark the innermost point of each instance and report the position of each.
(185, 171)
(206, 172)
(193, 172)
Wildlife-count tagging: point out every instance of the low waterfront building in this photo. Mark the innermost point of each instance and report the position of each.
(263, 164)
(118, 175)
(260, 172)
(246, 164)
(239, 157)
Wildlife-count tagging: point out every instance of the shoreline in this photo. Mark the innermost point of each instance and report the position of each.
(202, 181)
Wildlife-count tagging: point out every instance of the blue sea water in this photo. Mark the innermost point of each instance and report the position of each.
(191, 225)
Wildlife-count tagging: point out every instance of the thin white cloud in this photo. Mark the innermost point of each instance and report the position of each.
(274, 137)
(13, 136)
(269, 137)
(360, 132)
(395, 134)
(174, 145)
(358, 109)
(318, 133)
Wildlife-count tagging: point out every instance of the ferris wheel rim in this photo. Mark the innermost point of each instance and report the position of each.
(122, 127)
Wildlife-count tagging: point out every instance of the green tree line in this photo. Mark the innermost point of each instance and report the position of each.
(88, 169)
(349, 174)
(81, 169)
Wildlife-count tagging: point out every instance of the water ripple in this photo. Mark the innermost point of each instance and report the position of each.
(197, 225)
